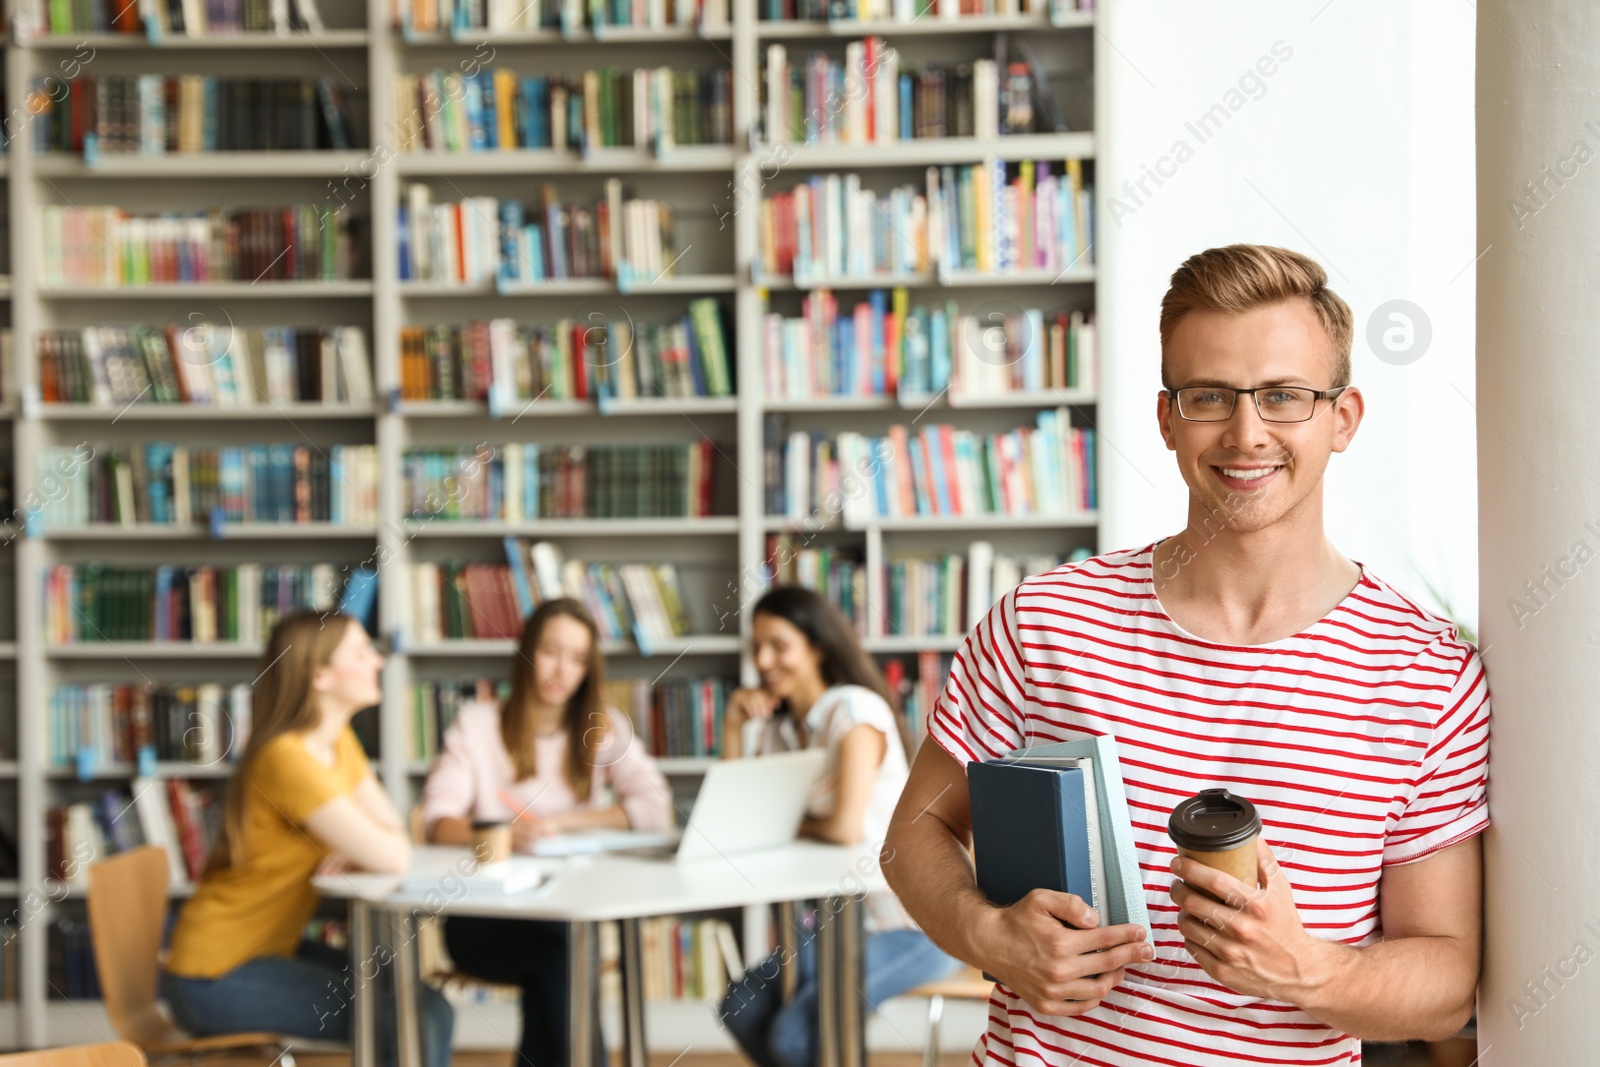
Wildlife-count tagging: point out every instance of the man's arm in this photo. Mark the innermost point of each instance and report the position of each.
(1029, 946)
(1416, 983)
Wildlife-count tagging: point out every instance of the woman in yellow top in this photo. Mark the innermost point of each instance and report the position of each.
(302, 798)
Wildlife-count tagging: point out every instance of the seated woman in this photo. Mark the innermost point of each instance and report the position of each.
(301, 798)
(819, 689)
(544, 760)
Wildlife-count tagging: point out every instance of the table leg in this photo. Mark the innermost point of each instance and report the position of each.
(788, 947)
(407, 1007)
(828, 971)
(364, 1024)
(631, 965)
(852, 960)
(581, 999)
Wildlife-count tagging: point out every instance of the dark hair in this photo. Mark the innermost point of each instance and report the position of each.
(584, 718)
(844, 661)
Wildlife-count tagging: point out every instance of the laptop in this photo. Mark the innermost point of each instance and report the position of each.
(743, 805)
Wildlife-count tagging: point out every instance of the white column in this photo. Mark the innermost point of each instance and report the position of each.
(1539, 524)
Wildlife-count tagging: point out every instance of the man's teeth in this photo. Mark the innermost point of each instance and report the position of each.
(1247, 475)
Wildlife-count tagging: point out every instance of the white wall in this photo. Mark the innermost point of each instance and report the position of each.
(1356, 150)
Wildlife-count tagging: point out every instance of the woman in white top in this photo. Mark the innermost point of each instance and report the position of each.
(553, 757)
(819, 689)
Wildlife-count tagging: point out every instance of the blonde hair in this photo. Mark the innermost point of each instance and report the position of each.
(1239, 278)
(283, 702)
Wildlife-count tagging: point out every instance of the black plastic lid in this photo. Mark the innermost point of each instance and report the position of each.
(487, 824)
(1214, 820)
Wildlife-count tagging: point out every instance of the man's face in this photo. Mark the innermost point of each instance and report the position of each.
(1248, 473)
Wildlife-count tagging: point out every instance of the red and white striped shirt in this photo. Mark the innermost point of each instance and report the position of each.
(1362, 741)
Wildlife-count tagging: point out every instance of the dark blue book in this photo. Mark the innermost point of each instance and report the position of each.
(1031, 830)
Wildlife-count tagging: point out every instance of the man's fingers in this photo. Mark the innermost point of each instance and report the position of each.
(1110, 937)
(1068, 907)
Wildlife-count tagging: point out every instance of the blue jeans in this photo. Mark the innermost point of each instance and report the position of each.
(305, 995)
(774, 1034)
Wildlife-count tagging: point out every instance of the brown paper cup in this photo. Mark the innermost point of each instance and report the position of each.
(492, 844)
(1239, 861)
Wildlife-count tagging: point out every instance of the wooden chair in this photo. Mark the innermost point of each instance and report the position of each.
(107, 1054)
(966, 984)
(127, 909)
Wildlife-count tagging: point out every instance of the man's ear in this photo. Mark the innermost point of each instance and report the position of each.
(1164, 417)
(1347, 413)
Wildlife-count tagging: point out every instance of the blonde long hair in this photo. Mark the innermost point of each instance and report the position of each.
(584, 718)
(283, 702)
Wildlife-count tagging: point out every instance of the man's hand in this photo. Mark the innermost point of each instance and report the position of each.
(1253, 942)
(1057, 969)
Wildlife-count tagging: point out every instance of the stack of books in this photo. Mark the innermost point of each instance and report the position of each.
(95, 602)
(524, 482)
(917, 688)
(987, 218)
(431, 16)
(434, 706)
(885, 347)
(907, 10)
(186, 18)
(107, 246)
(642, 602)
(491, 110)
(172, 813)
(511, 364)
(481, 239)
(104, 723)
(947, 595)
(677, 717)
(881, 103)
(178, 485)
(152, 114)
(225, 366)
(836, 573)
(1045, 469)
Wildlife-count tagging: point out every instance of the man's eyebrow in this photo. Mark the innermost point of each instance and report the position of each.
(1218, 383)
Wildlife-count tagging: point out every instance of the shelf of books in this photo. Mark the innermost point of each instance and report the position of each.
(432, 310)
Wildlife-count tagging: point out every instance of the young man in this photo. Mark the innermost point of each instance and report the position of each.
(1243, 652)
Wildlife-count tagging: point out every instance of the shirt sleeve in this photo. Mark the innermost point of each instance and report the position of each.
(859, 706)
(1449, 801)
(637, 782)
(451, 789)
(979, 715)
(287, 777)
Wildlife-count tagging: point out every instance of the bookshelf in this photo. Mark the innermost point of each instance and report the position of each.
(716, 254)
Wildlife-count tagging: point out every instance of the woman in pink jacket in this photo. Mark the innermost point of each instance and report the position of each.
(553, 757)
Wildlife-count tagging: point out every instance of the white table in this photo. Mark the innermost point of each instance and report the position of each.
(585, 892)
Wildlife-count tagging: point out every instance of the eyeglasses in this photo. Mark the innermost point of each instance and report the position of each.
(1274, 403)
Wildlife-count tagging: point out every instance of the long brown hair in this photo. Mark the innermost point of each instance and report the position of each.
(584, 717)
(844, 661)
(283, 702)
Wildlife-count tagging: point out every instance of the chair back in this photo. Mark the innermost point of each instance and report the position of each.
(127, 911)
(108, 1054)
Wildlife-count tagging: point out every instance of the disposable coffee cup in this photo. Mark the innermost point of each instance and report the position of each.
(1218, 829)
(491, 841)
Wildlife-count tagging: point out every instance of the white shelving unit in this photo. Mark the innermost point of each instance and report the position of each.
(715, 554)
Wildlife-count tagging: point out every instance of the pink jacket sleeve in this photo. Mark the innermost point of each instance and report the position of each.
(633, 776)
